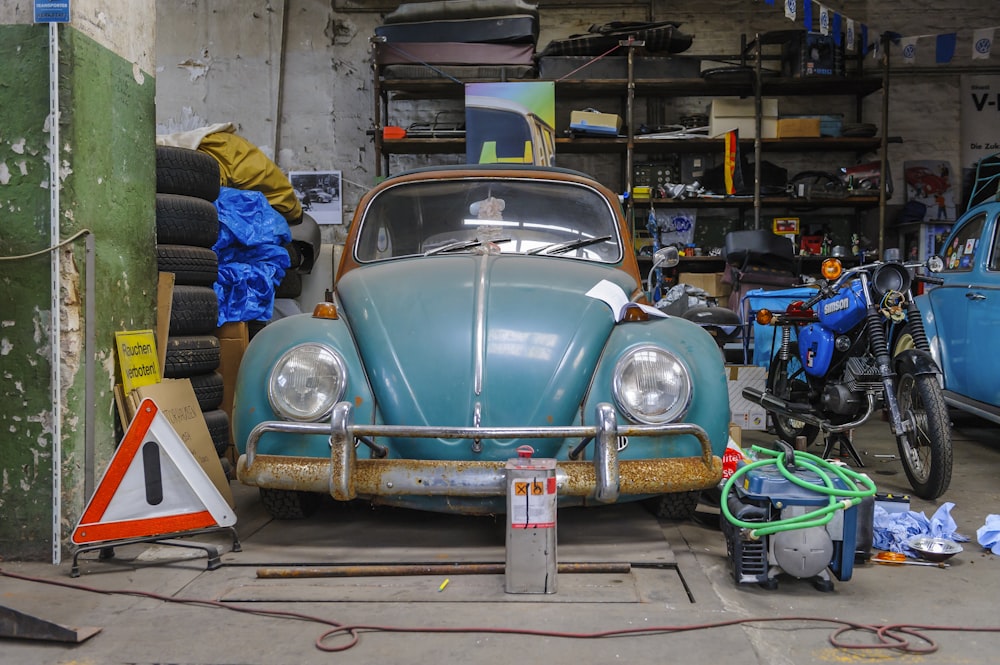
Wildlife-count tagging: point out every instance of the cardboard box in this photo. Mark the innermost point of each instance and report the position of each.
(729, 113)
(746, 414)
(798, 128)
(233, 340)
(710, 282)
(176, 400)
(591, 122)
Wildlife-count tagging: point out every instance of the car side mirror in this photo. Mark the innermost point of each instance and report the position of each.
(935, 263)
(666, 257)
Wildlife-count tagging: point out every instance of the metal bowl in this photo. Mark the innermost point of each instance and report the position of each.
(934, 549)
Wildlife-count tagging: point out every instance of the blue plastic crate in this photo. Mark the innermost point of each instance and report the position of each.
(767, 338)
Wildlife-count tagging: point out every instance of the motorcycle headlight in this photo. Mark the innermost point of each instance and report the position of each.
(890, 277)
(306, 382)
(651, 386)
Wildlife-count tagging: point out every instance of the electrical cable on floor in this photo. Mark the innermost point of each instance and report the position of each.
(899, 637)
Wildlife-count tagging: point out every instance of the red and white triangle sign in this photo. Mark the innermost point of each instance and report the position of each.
(153, 486)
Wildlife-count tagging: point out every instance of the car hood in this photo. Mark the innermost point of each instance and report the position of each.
(514, 339)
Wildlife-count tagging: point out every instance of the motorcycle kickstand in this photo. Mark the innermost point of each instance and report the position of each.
(834, 439)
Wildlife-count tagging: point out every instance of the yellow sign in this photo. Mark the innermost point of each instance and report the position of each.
(137, 358)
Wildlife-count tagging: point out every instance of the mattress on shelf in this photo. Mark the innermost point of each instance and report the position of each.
(461, 72)
(453, 53)
(508, 29)
(409, 12)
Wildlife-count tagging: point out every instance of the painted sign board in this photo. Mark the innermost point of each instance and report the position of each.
(55, 11)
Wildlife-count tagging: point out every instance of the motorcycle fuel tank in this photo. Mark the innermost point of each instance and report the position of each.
(845, 310)
(816, 348)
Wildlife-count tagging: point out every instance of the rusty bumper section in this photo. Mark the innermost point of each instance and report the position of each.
(346, 477)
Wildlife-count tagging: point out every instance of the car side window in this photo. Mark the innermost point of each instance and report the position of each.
(960, 254)
(994, 262)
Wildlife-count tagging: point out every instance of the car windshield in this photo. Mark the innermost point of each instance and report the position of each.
(524, 216)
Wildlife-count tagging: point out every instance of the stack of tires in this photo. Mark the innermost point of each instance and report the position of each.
(187, 226)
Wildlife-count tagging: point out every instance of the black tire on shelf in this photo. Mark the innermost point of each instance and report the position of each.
(191, 354)
(294, 255)
(208, 389)
(197, 266)
(290, 286)
(218, 426)
(186, 220)
(188, 172)
(194, 310)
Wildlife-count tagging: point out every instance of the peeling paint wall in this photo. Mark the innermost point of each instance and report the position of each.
(107, 182)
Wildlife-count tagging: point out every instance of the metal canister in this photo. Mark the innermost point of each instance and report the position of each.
(531, 563)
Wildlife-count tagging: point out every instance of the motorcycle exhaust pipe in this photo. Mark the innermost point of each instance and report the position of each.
(780, 407)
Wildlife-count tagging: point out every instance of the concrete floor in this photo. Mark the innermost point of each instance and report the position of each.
(679, 578)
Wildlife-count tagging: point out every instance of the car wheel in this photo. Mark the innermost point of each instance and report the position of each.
(196, 266)
(288, 504)
(188, 172)
(194, 310)
(186, 220)
(677, 506)
(191, 354)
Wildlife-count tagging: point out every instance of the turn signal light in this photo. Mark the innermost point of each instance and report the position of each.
(325, 310)
(764, 316)
(832, 268)
(633, 313)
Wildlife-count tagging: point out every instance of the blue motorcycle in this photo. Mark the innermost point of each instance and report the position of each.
(855, 347)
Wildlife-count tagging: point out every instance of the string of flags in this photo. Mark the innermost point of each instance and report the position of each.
(843, 27)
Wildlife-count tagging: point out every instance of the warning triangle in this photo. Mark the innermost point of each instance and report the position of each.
(153, 486)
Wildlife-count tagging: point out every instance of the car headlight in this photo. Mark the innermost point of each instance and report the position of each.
(652, 386)
(306, 382)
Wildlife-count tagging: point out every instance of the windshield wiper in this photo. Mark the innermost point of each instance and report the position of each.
(563, 247)
(463, 244)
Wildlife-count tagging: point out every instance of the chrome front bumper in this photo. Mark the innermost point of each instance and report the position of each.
(346, 477)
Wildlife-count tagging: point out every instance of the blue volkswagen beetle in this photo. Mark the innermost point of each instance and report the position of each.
(477, 310)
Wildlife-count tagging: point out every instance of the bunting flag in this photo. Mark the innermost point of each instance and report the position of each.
(731, 168)
(824, 20)
(908, 47)
(807, 14)
(945, 48)
(791, 7)
(851, 37)
(982, 42)
(836, 28)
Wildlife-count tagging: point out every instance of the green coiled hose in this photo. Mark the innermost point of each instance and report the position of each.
(817, 465)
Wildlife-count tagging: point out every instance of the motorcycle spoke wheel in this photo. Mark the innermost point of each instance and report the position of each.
(925, 448)
(783, 386)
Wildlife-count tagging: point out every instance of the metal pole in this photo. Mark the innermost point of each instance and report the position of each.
(55, 301)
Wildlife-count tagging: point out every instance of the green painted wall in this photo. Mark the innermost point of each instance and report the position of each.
(107, 166)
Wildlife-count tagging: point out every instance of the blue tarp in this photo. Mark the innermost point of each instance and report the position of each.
(252, 257)
(766, 339)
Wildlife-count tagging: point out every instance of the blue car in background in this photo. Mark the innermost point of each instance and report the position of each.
(479, 309)
(962, 315)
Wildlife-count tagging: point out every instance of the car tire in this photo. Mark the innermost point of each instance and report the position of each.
(194, 310)
(193, 266)
(217, 421)
(191, 354)
(208, 389)
(290, 285)
(677, 506)
(288, 504)
(187, 172)
(186, 220)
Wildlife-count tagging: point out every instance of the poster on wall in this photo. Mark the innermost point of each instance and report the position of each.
(510, 123)
(929, 181)
(319, 194)
(980, 123)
